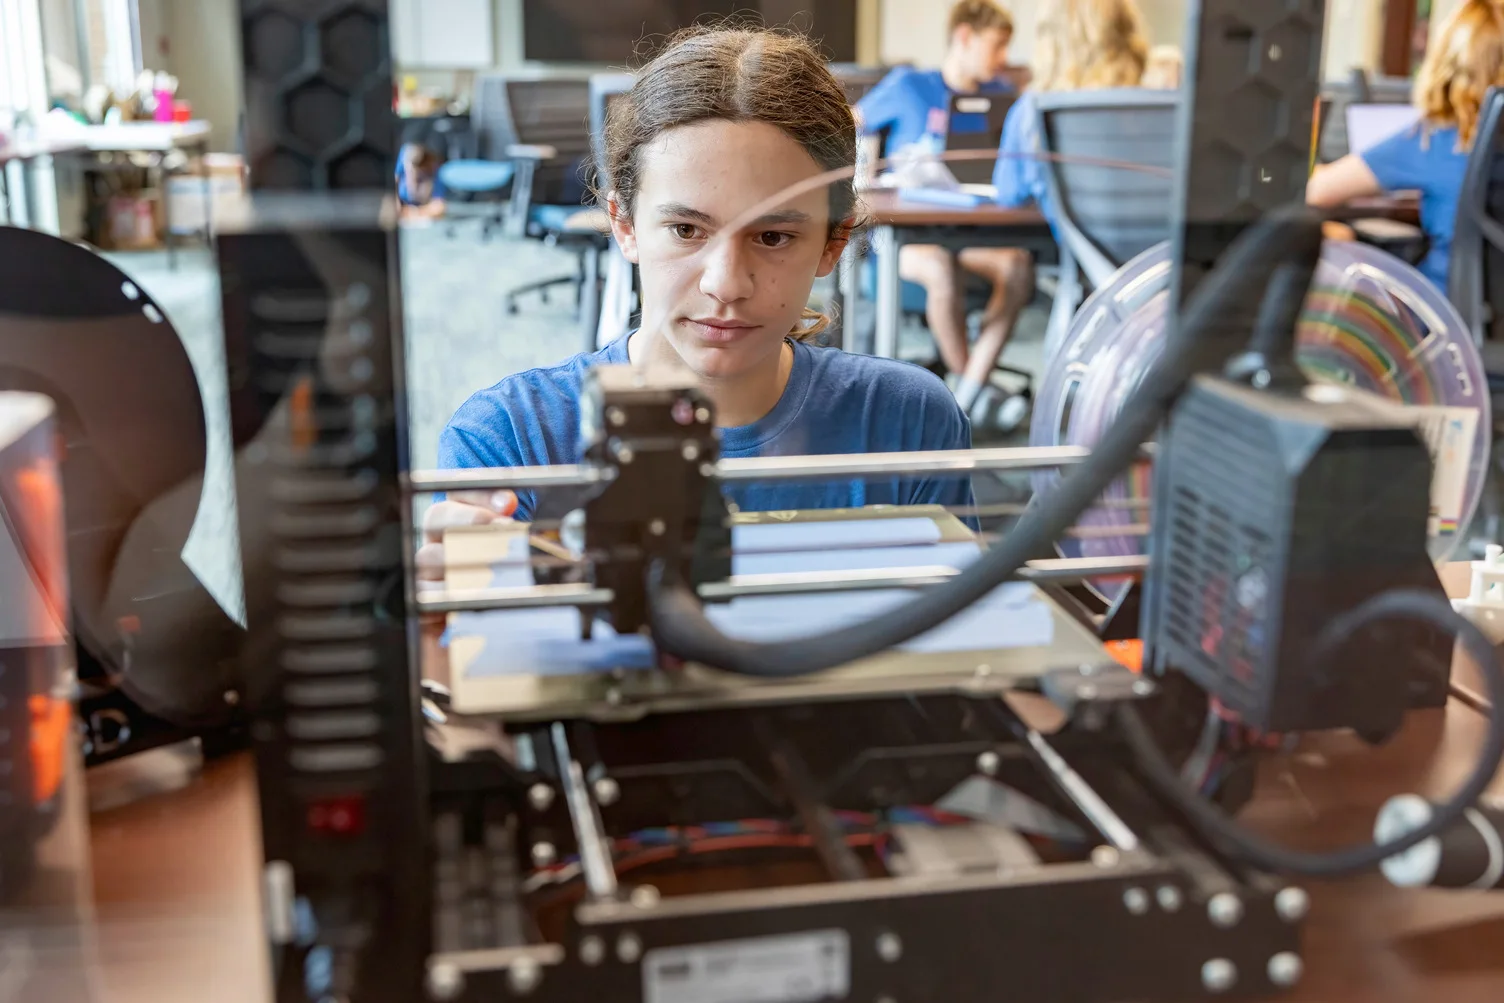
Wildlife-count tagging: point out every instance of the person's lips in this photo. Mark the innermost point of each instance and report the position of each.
(719, 330)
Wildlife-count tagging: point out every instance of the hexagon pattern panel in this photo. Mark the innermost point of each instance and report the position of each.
(318, 94)
(1256, 86)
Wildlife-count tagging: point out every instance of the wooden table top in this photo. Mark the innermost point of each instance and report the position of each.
(886, 207)
(177, 858)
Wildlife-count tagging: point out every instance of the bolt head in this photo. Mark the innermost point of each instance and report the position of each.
(1106, 856)
(657, 528)
(613, 696)
(607, 791)
(645, 896)
(524, 975)
(988, 762)
(628, 948)
(1275, 53)
(624, 453)
(592, 951)
(232, 697)
(1292, 904)
(540, 796)
(889, 947)
(1142, 688)
(445, 981)
(1285, 969)
(1219, 975)
(702, 415)
(1170, 899)
(1136, 901)
(544, 854)
(1225, 910)
(1087, 692)
(690, 451)
(616, 416)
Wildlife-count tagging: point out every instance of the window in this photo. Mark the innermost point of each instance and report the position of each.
(109, 36)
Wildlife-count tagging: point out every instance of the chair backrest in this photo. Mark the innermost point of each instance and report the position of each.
(605, 89)
(857, 80)
(1108, 214)
(554, 111)
(1475, 284)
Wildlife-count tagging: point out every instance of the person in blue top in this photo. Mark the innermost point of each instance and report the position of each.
(420, 191)
(1079, 45)
(910, 105)
(1463, 60)
(706, 155)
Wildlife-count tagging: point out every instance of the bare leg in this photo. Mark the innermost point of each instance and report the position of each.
(1011, 272)
(935, 269)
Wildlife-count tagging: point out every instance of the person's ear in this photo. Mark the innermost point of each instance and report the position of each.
(622, 228)
(839, 238)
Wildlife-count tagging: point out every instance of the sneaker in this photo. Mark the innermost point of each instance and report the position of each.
(996, 410)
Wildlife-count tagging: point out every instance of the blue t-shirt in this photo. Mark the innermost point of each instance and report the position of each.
(834, 403)
(405, 197)
(1429, 160)
(1019, 176)
(901, 103)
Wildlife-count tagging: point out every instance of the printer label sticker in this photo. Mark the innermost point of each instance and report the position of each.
(798, 968)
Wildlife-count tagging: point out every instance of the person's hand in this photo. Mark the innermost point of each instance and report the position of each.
(465, 508)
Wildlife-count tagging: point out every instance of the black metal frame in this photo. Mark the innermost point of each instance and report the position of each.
(314, 346)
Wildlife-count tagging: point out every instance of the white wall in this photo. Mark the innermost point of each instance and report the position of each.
(204, 36)
(155, 18)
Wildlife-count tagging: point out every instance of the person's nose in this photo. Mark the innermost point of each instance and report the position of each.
(727, 275)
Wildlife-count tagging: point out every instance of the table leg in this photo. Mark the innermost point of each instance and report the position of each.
(172, 247)
(889, 292)
(591, 315)
(846, 300)
(203, 163)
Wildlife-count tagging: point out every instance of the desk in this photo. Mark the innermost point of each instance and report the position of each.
(896, 222)
(24, 152)
(186, 857)
(1402, 207)
(157, 139)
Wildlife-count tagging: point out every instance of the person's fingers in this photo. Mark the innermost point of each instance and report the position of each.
(430, 562)
(467, 509)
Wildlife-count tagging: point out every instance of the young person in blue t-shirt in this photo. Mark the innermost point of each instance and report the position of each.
(1463, 60)
(420, 192)
(701, 153)
(909, 105)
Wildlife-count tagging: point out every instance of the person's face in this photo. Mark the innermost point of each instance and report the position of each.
(985, 51)
(723, 288)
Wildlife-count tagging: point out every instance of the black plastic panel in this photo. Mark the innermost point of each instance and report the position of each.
(318, 94)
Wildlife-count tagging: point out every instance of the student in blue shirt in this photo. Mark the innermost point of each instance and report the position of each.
(713, 133)
(1080, 45)
(909, 105)
(1463, 60)
(419, 190)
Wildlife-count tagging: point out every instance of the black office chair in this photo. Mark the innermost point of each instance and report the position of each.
(1105, 216)
(549, 128)
(77, 329)
(1475, 282)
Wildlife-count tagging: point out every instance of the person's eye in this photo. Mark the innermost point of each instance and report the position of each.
(684, 231)
(775, 239)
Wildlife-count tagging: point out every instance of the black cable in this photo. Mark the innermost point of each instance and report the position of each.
(1215, 325)
(1225, 832)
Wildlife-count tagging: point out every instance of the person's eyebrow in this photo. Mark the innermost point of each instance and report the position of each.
(784, 217)
(678, 210)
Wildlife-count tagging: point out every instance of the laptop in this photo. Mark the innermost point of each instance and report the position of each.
(1368, 125)
(976, 123)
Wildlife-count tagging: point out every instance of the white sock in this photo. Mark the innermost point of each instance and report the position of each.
(967, 390)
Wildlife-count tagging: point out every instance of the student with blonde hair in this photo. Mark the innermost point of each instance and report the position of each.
(1463, 60)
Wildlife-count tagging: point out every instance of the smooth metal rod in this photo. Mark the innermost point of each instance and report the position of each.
(1081, 794)
(782, 468)
(944, 461)
(523, 597)
(595, 856)
(1059, 570)
(573, 475)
